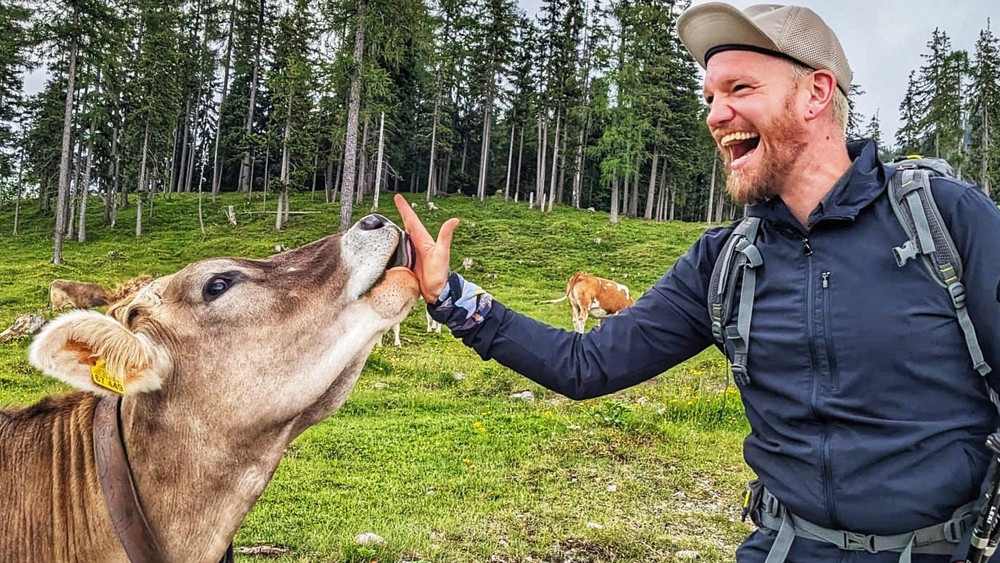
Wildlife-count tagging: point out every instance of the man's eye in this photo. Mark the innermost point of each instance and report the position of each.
(739, 87)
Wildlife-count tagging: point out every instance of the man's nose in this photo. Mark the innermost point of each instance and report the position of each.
(719, 112)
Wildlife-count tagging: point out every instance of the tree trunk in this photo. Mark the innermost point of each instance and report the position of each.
(182, 164)
(81, 230)
(520, 153)
(19, 191)
(555, 157)
(652, 185)
(216, 172)
(711, 190)
(484, 153)
(362, 183)
(138, 216)
(633, 205)
(141, 183)
(984, 163)
(542, 146)
(378, 165)
(252, 104)
(431, 187)
(64, 159)
(510, 161)
(354, 108)
(614, 200)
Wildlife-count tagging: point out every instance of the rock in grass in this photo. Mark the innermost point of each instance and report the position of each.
(526, 396)
(369, 538)
(687, 555)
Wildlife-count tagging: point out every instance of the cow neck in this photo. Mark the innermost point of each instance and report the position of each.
(119, 488)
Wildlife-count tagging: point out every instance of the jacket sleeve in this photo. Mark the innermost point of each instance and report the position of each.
(665, 326)
(974, 223)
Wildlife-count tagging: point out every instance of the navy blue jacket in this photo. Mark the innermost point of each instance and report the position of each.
(864, 408)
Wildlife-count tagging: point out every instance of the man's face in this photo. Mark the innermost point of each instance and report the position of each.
(755, 119)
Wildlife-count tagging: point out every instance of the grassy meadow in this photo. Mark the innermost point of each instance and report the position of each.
(430, 452)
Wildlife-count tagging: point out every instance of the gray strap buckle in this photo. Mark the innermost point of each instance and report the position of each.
(957, 293)
(905, 253)
(856, 542)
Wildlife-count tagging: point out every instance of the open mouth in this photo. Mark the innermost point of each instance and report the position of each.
(405, 255)
(740, 145)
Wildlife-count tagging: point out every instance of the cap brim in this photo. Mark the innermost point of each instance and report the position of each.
(713, 24)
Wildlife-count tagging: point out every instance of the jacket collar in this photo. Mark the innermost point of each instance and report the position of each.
(863, 182)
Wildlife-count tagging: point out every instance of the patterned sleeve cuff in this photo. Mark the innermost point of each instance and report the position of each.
(461, 305)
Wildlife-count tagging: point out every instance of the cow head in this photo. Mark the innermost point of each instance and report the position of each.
(272, 339)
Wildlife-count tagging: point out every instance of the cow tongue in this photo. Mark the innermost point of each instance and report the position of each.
(406, 255)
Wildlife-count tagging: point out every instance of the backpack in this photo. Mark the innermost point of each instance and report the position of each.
(927, 239)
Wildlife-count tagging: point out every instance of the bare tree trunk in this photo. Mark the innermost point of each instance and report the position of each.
(431, 187)
(252, 104)
(652, 184)
(182, 165)
(378, 166)
(354, 108)
(141, 183)
(285, 165)
(484, 153)
(312, 193)
(19, 191)
(633, 205)
(711, 190)
(614, 200)
(138, 216)
(64, 159)
(71, 201)
(362, 184)
(192, 151)
(984, 163)
(216, 172)
(520, 153)
(510, 161)
(542, 146)
(555, 158)
(81, 230)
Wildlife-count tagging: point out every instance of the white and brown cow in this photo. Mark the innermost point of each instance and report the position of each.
(593, 296)
(222, 365)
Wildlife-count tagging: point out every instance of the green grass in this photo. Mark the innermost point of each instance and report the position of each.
(448, 469)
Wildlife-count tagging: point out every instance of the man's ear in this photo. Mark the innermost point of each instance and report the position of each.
(95, 353)
(822, 87)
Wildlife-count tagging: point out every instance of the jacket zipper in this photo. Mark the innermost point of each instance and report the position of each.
(817, 376)
(831, 357)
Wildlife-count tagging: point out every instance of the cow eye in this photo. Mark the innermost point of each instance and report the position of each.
(215, 287)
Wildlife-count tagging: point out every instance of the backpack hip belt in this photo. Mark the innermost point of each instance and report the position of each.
(939, 539)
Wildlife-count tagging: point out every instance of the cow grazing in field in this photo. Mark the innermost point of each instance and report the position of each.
(593, 296)
(220, 366)
(69, 294)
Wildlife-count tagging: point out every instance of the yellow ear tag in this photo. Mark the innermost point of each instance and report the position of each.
(101, 377)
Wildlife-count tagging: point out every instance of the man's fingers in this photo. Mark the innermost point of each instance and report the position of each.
(447, 230)
(411, 223)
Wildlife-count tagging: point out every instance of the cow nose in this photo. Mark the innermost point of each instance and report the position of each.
(372, 222)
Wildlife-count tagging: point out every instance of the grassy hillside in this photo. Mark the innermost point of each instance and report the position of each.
(430, 452)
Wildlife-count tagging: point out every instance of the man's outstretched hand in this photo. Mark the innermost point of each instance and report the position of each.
(432, 260)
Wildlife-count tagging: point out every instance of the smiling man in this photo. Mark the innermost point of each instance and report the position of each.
(862, 378)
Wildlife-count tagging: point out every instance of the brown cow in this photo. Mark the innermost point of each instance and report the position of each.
(594, 296)
(69, 294)
(222, 364)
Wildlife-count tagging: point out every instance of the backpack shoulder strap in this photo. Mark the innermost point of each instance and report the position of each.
(928, 238)
(739, 259)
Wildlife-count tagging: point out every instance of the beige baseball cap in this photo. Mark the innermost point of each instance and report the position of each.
(794, 32)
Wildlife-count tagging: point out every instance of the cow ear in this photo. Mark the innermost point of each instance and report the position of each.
(95, 353)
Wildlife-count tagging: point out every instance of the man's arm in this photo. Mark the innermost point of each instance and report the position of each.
(667, 325)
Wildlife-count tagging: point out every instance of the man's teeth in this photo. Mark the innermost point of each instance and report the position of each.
(737, 137)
